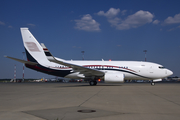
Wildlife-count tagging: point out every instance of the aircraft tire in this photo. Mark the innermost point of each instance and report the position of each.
(152, 83)
(95, 83)
(92, 83)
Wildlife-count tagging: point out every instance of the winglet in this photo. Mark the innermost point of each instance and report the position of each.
(46, 51)
(49, 56)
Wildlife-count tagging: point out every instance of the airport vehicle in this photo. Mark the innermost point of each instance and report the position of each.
(39, 58)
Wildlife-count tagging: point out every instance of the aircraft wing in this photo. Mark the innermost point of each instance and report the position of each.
(76, 68)
(22, 61)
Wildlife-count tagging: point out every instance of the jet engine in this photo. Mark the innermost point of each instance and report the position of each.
(114, 77)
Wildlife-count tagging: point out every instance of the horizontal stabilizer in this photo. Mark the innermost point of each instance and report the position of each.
(22, 61)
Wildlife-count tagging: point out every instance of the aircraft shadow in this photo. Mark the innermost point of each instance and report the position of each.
(87, 85)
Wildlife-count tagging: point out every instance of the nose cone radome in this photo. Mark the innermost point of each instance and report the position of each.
(169, 72)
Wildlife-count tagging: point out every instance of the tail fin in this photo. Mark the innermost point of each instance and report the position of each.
(34, 50)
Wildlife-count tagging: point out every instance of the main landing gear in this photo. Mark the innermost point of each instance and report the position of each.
(92, 82)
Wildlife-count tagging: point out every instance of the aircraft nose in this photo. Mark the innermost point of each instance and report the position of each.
(169, 72)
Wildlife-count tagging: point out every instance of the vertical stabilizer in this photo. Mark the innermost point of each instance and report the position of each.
(34, 51)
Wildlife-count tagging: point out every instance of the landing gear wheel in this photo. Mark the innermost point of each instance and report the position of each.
(152, 83)
(92, 83)
(95, 83)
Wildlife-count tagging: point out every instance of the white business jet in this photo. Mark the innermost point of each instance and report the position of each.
(40, 59)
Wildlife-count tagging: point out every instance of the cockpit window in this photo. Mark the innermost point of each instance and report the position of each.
(161, 67)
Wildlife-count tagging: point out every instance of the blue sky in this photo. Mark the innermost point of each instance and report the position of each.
(108, 29)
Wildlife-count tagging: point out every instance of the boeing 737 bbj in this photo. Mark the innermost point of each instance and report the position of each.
(39, 58)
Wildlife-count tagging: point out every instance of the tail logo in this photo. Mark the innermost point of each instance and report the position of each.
(32, 47)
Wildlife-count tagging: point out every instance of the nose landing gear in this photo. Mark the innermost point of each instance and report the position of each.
(152, 83)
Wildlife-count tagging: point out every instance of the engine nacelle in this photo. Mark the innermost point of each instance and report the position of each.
(114, 77)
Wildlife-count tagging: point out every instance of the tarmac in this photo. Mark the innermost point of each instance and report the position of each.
(79, 101)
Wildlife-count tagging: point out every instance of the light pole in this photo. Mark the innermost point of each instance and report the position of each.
(14, 73)
(82, 55)
(145, 51)
(23, 67)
